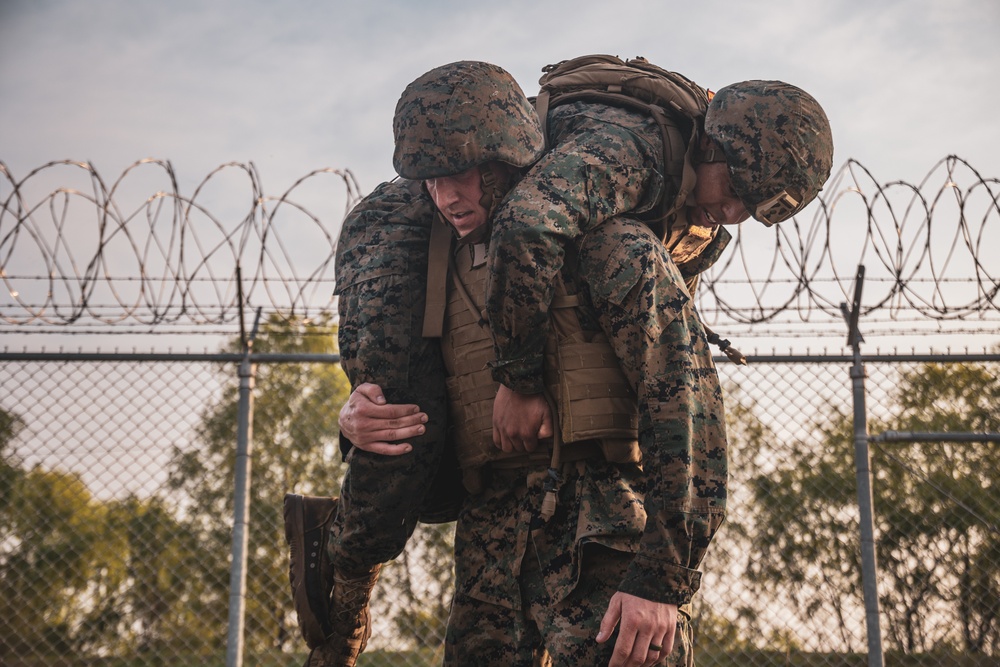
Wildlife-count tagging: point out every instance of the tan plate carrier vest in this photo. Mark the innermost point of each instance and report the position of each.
(592, 400)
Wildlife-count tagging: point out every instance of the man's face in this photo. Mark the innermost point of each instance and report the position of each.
(715, 202)
(458, 198)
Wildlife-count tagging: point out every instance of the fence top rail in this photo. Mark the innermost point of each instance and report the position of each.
(224, 357)
(879, 357)
(280, 358)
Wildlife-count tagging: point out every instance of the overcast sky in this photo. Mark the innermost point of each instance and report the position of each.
(295, 86)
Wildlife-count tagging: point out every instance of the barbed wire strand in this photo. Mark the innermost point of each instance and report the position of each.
(928, 247)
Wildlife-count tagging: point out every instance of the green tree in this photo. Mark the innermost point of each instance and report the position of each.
(742, 625)
(54, 541)
(938, 530)
(10, 425)
(937, 507)
(151, 597)
(294, 448)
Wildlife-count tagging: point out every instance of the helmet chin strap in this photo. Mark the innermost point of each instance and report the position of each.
(711, 153)
(488, 182)
(496, 179)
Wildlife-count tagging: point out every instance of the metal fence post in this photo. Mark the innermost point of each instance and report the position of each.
(862, 464)
(241, 513)
(241, 504)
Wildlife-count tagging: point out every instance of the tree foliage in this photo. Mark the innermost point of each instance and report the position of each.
(79, 574)
(54, 543)
(937, 508)
(294, 433)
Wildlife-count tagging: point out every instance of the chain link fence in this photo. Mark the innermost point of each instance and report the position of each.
(116, 515)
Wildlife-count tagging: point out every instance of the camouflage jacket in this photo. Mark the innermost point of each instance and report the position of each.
(666, 510)
(604, 162)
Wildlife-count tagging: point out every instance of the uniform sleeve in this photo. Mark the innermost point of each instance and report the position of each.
(381, 273)
(381, 269)
(647, 314)
(594, 173)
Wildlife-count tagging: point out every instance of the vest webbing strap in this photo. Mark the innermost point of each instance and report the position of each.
(437, 279)
(542, 109)
(566, 301)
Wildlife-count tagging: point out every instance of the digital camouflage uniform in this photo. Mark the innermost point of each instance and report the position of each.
(381, 272)
(381, 275)
(640, 529)
(605, 162)
(644, 529)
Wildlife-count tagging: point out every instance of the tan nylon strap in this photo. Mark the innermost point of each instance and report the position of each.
(673, 144)
(437, 279)
(463, 291)
(566, 301)
(542, 109)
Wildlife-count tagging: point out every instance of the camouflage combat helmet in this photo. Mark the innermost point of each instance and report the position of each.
(777, 143)
(461, 115)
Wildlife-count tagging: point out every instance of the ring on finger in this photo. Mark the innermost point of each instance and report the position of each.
(655, 647)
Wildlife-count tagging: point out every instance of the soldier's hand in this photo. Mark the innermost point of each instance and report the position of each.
(519, 420)
(374, 425)
(645, 627)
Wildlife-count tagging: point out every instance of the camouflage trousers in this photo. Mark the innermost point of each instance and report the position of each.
(562, 632)
(381, 272)
(383, 497)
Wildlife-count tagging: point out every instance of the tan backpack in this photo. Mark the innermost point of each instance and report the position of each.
(676, 103)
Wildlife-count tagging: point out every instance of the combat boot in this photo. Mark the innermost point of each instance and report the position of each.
(349, 615)
(307, 531)
(349, 619)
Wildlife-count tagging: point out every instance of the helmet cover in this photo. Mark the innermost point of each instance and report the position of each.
(461, 115)
(778, 145)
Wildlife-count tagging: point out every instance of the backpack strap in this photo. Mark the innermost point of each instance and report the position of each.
(437, 278)
(679, 168)
(542, 109)
(675, 103)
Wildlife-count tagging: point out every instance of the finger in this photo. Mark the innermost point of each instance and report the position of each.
(386, 448)
(390, 411)
(545, 430)
(506, 443)
(375, 432)
(652, 657)
(610, 620)
(656, 652)
(391, 420)
(669, 638)
(361, 429)
(627, 651)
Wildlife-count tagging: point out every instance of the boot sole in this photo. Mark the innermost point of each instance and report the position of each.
(315, 630)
